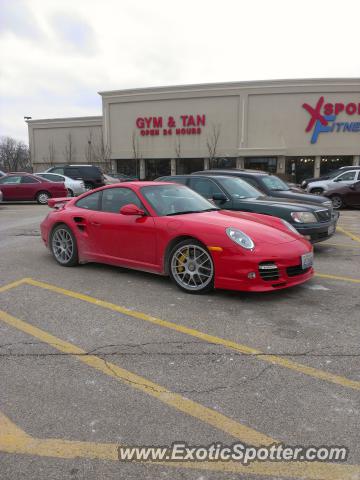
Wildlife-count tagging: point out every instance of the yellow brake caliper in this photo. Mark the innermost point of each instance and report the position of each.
(181, 260)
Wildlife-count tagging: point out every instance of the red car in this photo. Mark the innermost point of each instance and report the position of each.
(169, 229)
(24, 186)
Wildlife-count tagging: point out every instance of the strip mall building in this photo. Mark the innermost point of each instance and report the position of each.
(296, 128)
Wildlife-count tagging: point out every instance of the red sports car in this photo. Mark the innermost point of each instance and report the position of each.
(169, 229)
(24, 186)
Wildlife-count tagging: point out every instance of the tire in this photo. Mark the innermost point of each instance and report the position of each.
(43, 197)
(317, 191)
(70, 192)
(63, 246)
(337, 202)
(88, 186)
(191, 276)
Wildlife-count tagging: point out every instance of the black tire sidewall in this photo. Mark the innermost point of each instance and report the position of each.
(208, 287)
(74, 260)
(341, 201)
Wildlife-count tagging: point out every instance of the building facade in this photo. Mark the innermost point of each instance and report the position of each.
(296, 128)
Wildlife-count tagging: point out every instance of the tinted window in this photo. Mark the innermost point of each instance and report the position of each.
(175, 199)
(238, 188)
(58, 170)
(274, 183)
(204, 186)
(115, 198)
(90, 202)
(73, 172)
(51, 177)
(29, 180)
(9, 180)
(346, 176)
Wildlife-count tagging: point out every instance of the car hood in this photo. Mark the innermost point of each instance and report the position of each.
(301, 197)
(282, 203)
(262, 229)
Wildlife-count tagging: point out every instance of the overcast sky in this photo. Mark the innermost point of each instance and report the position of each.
(55, 55)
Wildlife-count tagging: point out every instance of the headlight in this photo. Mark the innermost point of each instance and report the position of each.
(328, 204)
(240, 238)
(303, 217)
(289, 226)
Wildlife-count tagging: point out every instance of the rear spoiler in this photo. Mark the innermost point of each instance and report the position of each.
(58, 203)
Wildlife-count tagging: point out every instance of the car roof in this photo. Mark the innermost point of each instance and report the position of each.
(238, 170)
(190, 175)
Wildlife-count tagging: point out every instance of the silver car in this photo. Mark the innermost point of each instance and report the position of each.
(74, 187)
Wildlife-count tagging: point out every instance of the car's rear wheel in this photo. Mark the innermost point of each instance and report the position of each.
(63, 246)
(337, 201)
(88, 186)
(70, 192)
(191, 267)
(317, 191)
(43, 197)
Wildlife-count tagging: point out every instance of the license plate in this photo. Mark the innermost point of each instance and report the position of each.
(307, 260)
(331, 229)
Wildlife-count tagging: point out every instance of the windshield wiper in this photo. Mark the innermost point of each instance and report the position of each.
(192, 211)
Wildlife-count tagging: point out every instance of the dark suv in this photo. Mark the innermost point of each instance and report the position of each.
(315, 222)
(89, 174)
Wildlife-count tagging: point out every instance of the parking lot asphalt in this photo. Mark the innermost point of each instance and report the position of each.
(93, 357)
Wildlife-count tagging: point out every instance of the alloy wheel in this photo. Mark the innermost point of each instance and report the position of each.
(192, 267)
(62, 245)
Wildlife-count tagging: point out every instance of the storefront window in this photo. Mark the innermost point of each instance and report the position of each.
(268, 164)
(189, 165)
(223, 162)
(329, 164)
(157, 168)
(128, 167)
(299, 168)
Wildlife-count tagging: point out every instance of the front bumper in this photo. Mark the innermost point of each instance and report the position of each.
(318, 232)
(232, 267)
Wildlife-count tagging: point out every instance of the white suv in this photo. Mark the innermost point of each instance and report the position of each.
(346, 178)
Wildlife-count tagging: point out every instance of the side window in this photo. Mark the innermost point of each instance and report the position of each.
(29, 180)
(115, 198)
(204, 187)
(53, 178)
(346, 176)
(90, 202)
(59, 170)
(10, 180)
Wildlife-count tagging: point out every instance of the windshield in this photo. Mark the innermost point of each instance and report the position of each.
(175, 200)
(274, 183)
(238, 188)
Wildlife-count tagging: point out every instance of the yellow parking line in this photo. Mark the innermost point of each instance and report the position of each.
(178, 402)
(245, 349)
(349, 234)
(336, 277)
(16, 441)
(13, 285)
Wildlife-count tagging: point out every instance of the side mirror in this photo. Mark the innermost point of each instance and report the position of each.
(132, 209)
(219, 197)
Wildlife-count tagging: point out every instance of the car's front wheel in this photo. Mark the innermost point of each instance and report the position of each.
(43, 197)
(63, 246)
(191, 267)
(337, 201)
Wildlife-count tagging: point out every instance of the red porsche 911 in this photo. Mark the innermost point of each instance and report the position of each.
(169, 229)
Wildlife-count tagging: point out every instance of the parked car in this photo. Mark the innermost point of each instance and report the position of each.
(110, 180)
(1, 196)
(332, 174)
(344, 178)
(89, 174)
(27, 187)
(344, 195)
(2, 174)
(124, 178)
(74, 187)
(315, 223)
(270, 185)
(169, 229)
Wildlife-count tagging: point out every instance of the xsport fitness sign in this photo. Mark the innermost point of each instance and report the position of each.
(324, 118)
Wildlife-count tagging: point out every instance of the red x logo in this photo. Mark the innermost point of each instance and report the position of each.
(315, 114)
